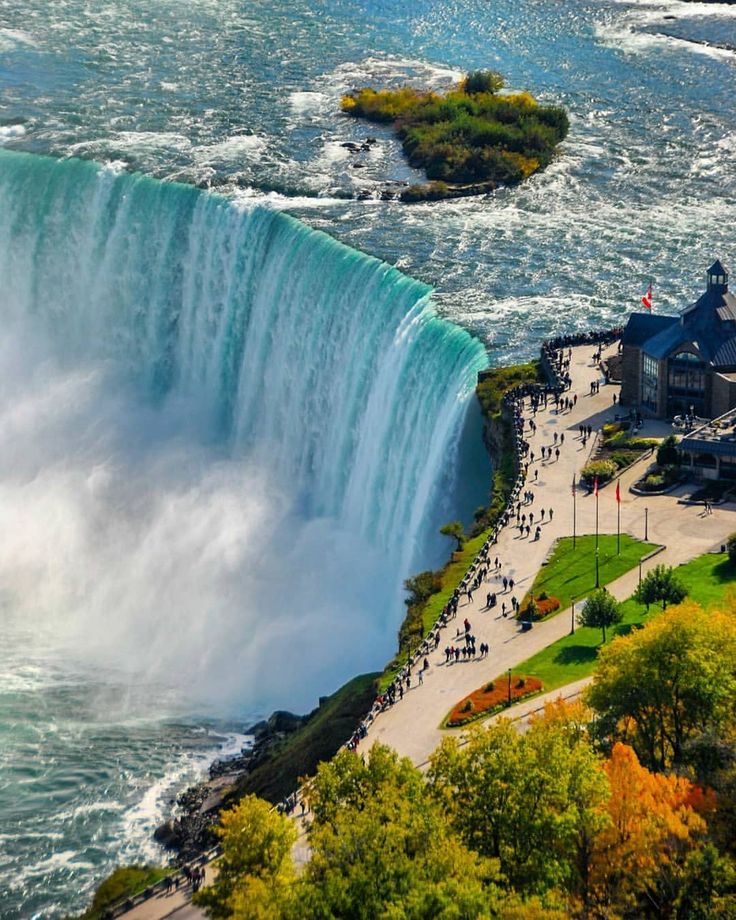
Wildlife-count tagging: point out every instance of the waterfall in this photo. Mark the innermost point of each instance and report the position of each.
(227, 436)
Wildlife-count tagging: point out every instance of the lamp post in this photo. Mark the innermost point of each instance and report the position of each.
(640, 571)
(572, 618)
(509, 700)
(646, 524)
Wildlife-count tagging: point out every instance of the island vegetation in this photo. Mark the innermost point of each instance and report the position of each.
(468, 140)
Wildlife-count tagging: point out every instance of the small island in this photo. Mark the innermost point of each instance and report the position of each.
(468, 140)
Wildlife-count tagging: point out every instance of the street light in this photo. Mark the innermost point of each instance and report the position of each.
(646, 524)
(640, 571)
(572, 618)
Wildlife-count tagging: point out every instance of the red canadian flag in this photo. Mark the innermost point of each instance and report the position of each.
(618, 492)
(647, 298)
(595, 487)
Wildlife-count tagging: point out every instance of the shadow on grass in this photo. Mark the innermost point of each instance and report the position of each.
(724, 572)
(576, 654)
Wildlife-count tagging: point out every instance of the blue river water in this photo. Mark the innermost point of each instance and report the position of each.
(155, 460)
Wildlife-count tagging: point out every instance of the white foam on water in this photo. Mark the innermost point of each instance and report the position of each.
(235, 148)
(11, 132)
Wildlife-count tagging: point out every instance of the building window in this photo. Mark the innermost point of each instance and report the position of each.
(649, 377)
(686, 375)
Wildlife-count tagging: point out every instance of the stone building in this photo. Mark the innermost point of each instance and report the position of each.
(686, 364)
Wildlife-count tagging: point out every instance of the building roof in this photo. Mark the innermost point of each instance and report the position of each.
(719, 441)
(642, 326)
(717, 268)
(662, 344)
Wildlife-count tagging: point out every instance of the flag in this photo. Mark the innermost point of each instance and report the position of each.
(618, 492)
(647, 298)
(573, 483)
(595, 487)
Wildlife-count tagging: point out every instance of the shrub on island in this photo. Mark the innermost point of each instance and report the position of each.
(491, 697)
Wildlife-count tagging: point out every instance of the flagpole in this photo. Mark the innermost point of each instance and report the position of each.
(618, 528)
(574, 513)
(597, 573)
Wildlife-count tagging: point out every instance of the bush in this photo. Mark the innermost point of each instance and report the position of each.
(540, 607)
(604, 470)
(731, 548)
(489, 687)
(624, 458)
(467, 706)
(653, 482)
(421, 587)
(483, 81)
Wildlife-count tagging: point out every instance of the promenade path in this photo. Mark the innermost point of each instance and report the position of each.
(411, 725)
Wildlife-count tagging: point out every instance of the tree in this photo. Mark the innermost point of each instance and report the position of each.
(667, 453)
(255, 872)
(382, 848)
(601, 610)
(662, 685)
(661, 584)
(645, 844)
(455, 530)
(533, 801)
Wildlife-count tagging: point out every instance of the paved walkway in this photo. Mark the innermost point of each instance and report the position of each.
(411, 726)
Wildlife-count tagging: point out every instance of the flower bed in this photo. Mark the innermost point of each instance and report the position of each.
(541, 607)
(490, 698)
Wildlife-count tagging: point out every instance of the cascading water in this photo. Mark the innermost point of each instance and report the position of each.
(226, 435)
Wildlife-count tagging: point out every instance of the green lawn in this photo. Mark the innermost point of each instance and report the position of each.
(707, 579)
(570, 573)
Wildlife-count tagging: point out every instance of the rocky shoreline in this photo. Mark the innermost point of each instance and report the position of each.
(189, 832)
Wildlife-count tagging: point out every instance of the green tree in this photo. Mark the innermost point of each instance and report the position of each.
(665, 684)
(255, 872)
(708, 886)
(661, 584)
(600, 610)
(382, 848)
(455, 530)
(533, 801)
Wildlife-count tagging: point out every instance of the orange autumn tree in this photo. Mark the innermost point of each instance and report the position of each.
(653, 827)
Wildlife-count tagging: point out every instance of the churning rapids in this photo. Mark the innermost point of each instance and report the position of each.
(226, 437)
